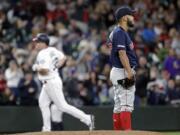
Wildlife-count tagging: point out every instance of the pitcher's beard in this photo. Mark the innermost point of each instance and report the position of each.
(130, 23)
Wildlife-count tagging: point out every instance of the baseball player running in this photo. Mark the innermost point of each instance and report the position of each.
(122, 73)
(48, 60)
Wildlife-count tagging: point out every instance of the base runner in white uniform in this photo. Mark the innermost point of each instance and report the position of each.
(48, 60)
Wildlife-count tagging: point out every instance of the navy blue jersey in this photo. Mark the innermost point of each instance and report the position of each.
(120, 40)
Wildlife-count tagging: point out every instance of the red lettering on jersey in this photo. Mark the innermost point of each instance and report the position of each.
(132, 46)
(109, 45)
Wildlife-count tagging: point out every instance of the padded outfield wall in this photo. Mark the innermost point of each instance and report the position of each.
(27, 119)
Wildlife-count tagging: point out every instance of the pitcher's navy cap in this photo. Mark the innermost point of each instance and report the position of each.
(41, 37)
(122, 11)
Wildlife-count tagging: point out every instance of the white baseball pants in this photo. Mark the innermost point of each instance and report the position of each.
(52, 92)
(56, 114)
(123, 98)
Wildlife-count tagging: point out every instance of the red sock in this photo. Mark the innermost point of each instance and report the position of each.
(116, 121)
(125, 120)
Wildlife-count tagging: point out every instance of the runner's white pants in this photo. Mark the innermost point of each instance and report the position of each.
(56, 114)
(52, 92)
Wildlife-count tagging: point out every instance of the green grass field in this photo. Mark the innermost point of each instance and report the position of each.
(172, 133)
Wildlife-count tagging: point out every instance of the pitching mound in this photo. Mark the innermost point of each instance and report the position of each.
(100, 132)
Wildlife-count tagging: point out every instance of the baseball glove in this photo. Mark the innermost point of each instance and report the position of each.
(127, 83)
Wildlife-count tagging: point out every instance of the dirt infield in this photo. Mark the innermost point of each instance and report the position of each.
(100, 132)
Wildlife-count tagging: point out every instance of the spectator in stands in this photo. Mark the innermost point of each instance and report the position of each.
(3, 86)
(81, 12)
(6, 96)
(173, 92)
(149, 35)
(9, 98)
(172, 63)
(91, 83)
(157, 94)
(142, 78)
(27, 89)
(5, 55)
(103, 90)
(85, 93)
(13, 74)
(2, 59)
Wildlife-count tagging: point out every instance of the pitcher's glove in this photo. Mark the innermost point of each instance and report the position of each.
(127, 83)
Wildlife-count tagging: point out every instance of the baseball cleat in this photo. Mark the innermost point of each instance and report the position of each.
(91, 125)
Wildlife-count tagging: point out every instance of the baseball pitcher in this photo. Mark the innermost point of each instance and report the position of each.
(123, 61)
(48, 60)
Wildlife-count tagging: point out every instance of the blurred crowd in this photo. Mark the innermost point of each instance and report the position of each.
(80, 28)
